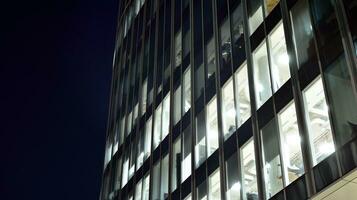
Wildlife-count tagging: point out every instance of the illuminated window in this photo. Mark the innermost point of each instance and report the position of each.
(249, 173)
(228, 108)
(212, 127)
(242, 94)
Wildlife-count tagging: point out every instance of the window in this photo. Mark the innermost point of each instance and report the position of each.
(290, 144)
(186, 156)
(320, 136)
(186, 41)
(132, 160)
(210, 58)
(187, 90)
(249, 173)
(262, 84)
(176, 156)
(212, 127)
(225, 44)
(302, 30)
(279, 57)
(232, 180)
(214, 186)
(146, 186)
(270, 5)
(255, 13)
(202, 191)
(138, 190)
(164, 178)
(148, 127)
(144, 97)
(118, 174)
(188, 197)
(178, 49)
(200, 147)
(271, 159)
(157, 126)
(229, 116)
(177, 105)
(125, 171)
(155, 193)
(199, 81)
(165, 116)
(242, 94)
(140, 150)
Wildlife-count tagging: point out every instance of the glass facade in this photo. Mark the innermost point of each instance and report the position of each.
(231, 99)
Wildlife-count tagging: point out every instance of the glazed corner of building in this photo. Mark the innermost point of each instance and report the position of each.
(224, 99)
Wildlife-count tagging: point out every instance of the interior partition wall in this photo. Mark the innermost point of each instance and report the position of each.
(231, 99)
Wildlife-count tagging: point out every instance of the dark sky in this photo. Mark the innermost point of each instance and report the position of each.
(55, 68)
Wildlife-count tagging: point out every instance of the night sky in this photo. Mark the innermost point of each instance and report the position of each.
(55, 68)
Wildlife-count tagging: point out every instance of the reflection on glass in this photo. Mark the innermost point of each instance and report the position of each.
(125, 171)
(232, 184)
(165, 116)
(214, 186)
(228, 118)
(318, 122)
(242, 94)
(262, 83)
(271, 159)
(186, 156)
(202, 191)
(148, 131)
(279, 57)
(144, 97)
(178, 49)
(176, 164)
(200, 147)
(212, 127)
(187, 90)
(342, 100)
(164, 178)
(155, 193)
(255, 13)
(290, 143)
(302, 30)
(146, 185)
(270, 5)
(225, 44)
(177, 105)
(237, 33)
(199, 81)
(249, 172)
(210, 58)
(138, 190)
(157, 126)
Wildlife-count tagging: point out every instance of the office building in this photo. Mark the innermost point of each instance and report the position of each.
(233, 99)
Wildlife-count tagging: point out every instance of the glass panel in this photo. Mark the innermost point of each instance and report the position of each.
(279, 57)
(233, 185)
(138, 190)
(164, 178)
(125, 171)
(146, 186)
(188, 197)
(176, 165)
(302, 30)
(202, 191)
(178, 49)
(157, 126)
(155, 193)
(165, 116)
(200, 147)
(242, 94)
(177, 105)
(255, 13)
(140, 151)
(270, 5)
(249, 173)
(212, 127)
(351, 12)
(271, 159)
(186, 42)
(290, 144)
(199, 81)
(262, 84)
(238, 34)
(187, 90)
(210, 58)
(118, 174)
(318, 121)
(148, 131)
(186, 157)
(228, 118)
(214, 186)
(343, 101)
(144, 97)
(225, 44)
